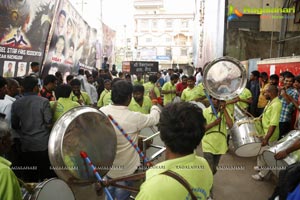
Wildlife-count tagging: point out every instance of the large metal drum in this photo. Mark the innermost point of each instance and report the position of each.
(82, 129)
(224, 78)
(281, 145)
(244, 138)
(49, 190)
(238, 113)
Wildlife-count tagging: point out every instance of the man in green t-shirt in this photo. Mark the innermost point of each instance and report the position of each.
(77, 95)
(169, 89)
(139, 102)
(9, 185)
(214, 142)
(270, 124)
(182, 126)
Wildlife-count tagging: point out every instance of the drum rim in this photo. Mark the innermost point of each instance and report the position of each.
(56, 140)
(242, 85)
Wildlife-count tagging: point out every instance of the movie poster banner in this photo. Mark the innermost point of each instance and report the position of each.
(73, 45)
(24, 29)
(109, 36)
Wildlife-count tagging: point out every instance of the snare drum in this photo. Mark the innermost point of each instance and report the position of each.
(245, 141)
(281, 145)
(49, 190)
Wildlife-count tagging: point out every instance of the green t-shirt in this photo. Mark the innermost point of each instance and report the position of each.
(62, 106)
(168, 98)
(136, 82)
(215, 138)
(149, 86)
(246, 94)
(9, 184)
(145, 108)
(189, 94)
(105, 98)
(84, 96)
(271, 116)
(195, 170)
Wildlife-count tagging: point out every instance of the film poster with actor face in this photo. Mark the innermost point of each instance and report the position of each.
(24, 29)
(73, 45)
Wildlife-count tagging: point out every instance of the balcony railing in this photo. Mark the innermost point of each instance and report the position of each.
(148, 3)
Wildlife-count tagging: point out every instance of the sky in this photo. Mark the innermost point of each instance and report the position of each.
(117, 13)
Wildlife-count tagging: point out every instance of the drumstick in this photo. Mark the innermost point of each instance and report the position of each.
(84, 155)
(211, 104)
(148, 163)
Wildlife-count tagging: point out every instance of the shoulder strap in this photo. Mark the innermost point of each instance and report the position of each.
(182, 181)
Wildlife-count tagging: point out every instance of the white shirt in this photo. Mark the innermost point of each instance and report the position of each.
(198, 78)
(5, 108)
(127, 159)
(92, 92)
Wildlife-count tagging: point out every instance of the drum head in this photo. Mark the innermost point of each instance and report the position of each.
(248, 150)
(54, 189)
(224, 78)
(82, 129)
(274, 164)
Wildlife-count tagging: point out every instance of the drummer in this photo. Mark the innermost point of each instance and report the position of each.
(127, 159)
(191, 93)
(214, 142)
(270, 123)
(181, 129)
(9, 185)
(284, 153)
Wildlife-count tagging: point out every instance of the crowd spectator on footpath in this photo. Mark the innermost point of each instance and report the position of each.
(274, 79)
(287, 106)
(255, 90)
(181, 85)
(34, 130)
(263, 84)
(50, 83)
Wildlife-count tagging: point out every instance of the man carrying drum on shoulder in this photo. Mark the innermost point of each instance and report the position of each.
(270, 124)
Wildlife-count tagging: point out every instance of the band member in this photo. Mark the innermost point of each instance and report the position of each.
(140, 102)
(169, 89)
(182, 127)
(270, 124)
(132, 123)
(77, 95)
(214, 141)
(9, 185)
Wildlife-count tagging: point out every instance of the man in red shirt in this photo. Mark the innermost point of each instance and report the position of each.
(182, 85)
(50, 83)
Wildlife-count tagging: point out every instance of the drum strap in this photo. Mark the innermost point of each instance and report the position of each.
(181, 180)
(217, 132)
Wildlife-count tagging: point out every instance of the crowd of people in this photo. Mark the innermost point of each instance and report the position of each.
(30, 106)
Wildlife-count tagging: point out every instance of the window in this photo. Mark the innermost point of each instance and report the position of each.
(183, 52)
(148, 40)
(168, 52)
(168, 39)
(169, 23)
(154, 24)
(184, 24)
(144, 25)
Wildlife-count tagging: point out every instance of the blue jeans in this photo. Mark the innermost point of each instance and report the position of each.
(118, 193)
